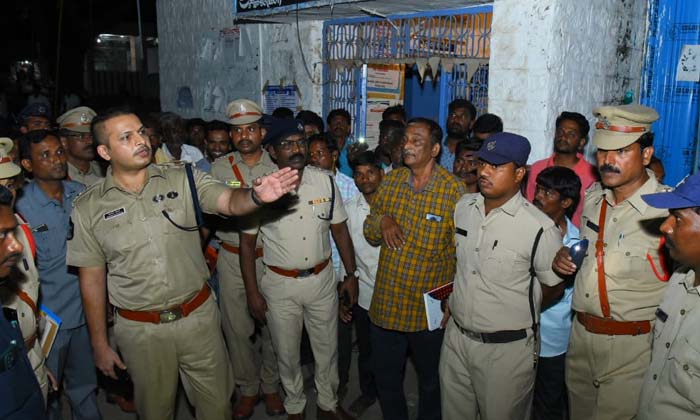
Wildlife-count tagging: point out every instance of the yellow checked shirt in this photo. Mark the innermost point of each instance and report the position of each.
(427, 259)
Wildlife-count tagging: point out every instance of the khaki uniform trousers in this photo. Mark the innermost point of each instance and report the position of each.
(193, 347)
(312, 302)
(239, 329)
(486, 380)
(604, 373)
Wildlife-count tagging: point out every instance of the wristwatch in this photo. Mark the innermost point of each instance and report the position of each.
(356, 274)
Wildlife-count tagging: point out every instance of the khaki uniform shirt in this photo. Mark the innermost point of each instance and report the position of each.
(670, 389)
(222, 169)
(634, 291)
(92, 176)
(152, 264)
(295, 232)
(30, 285)
(493, 263)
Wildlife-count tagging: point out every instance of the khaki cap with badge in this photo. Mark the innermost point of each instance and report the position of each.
(8, 168)
(77, 119)
(243, 111)
(619, 126)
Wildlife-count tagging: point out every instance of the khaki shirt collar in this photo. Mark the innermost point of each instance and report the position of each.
(265, 159)
(153, 171)
(635, 200)
(510, 207)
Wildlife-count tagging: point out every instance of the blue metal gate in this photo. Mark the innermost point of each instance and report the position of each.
(456, 41)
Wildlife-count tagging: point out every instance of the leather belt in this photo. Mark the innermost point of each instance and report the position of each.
(236, 250)
(171, 314)
(607, 326)
(498, 337)
(300, 273)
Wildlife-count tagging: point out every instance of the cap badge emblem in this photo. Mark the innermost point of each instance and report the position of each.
(490, 145)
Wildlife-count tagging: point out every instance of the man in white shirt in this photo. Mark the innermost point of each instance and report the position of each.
(368, 174)
(174, 130)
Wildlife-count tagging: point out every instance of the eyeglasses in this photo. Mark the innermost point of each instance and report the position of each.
(81, 136)
(289, 144)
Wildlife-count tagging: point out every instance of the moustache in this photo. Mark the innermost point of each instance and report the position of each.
(669, 242)
(608, 168)
(297, 156)
(15, 255)
(142, 149)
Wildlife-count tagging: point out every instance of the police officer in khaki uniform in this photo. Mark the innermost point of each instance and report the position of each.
(489, 354)
(138, 227)
(238, 169)
(670, 389)
(22, 301)
(74, 130)
(622, 279)
(298, 283)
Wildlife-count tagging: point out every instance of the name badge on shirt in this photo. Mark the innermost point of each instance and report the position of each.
(319, 201)
(114, 213)
(234, 184)
(433, 217)
(593, 226)
(661, 315)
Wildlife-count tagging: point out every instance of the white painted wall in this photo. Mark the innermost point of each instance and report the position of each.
(194, 53)
(549, 56)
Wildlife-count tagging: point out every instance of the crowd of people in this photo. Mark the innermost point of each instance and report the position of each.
(229, 256)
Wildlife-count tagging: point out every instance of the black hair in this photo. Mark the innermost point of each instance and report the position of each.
(488, 123)
(33, 137)
(472, 145)
(325, 139)
(6, 196)
(368, 157)
(192, 122)
(564, 181)
(646, 140)
(173, 127)
(216, 125)
(101, 118)
(435, 129)
(390, 124)
(283, 112)
(338, 112)
(311, 118)
(462, 104)
(395, 109)
(583, 126)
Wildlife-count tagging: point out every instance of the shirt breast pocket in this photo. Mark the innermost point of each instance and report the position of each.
(628, 263)
(117, 238)
(685, 369)
(497, 260)
(322, 209)
(429, 234)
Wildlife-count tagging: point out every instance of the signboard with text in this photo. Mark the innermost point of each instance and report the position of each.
(243, 6)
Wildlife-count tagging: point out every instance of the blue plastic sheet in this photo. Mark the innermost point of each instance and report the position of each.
(673, 24)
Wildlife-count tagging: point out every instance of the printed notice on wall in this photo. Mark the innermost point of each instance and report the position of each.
(688, 69)
(275, 96)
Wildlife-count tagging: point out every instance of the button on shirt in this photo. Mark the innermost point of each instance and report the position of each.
(555, 322)
(152, 264)
(493, 263)
(295, 232)
(427, 259)
(670, 389)
(222, 169)
(634, 291)
(51, 225)
(366, 255)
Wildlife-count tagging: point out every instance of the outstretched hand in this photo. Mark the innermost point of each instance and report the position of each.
(271, 187)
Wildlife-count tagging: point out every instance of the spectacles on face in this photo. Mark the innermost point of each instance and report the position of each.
(81, 136)
(289, 144)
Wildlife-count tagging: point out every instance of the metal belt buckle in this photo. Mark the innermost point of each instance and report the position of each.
(474, 335)
(306, 273)
(170, 315)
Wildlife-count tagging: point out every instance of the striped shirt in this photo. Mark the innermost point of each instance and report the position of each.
(427, 259)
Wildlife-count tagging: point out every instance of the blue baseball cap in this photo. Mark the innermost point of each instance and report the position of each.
(502, 148)
(281, 128)
(34, 110)
(686, 194)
